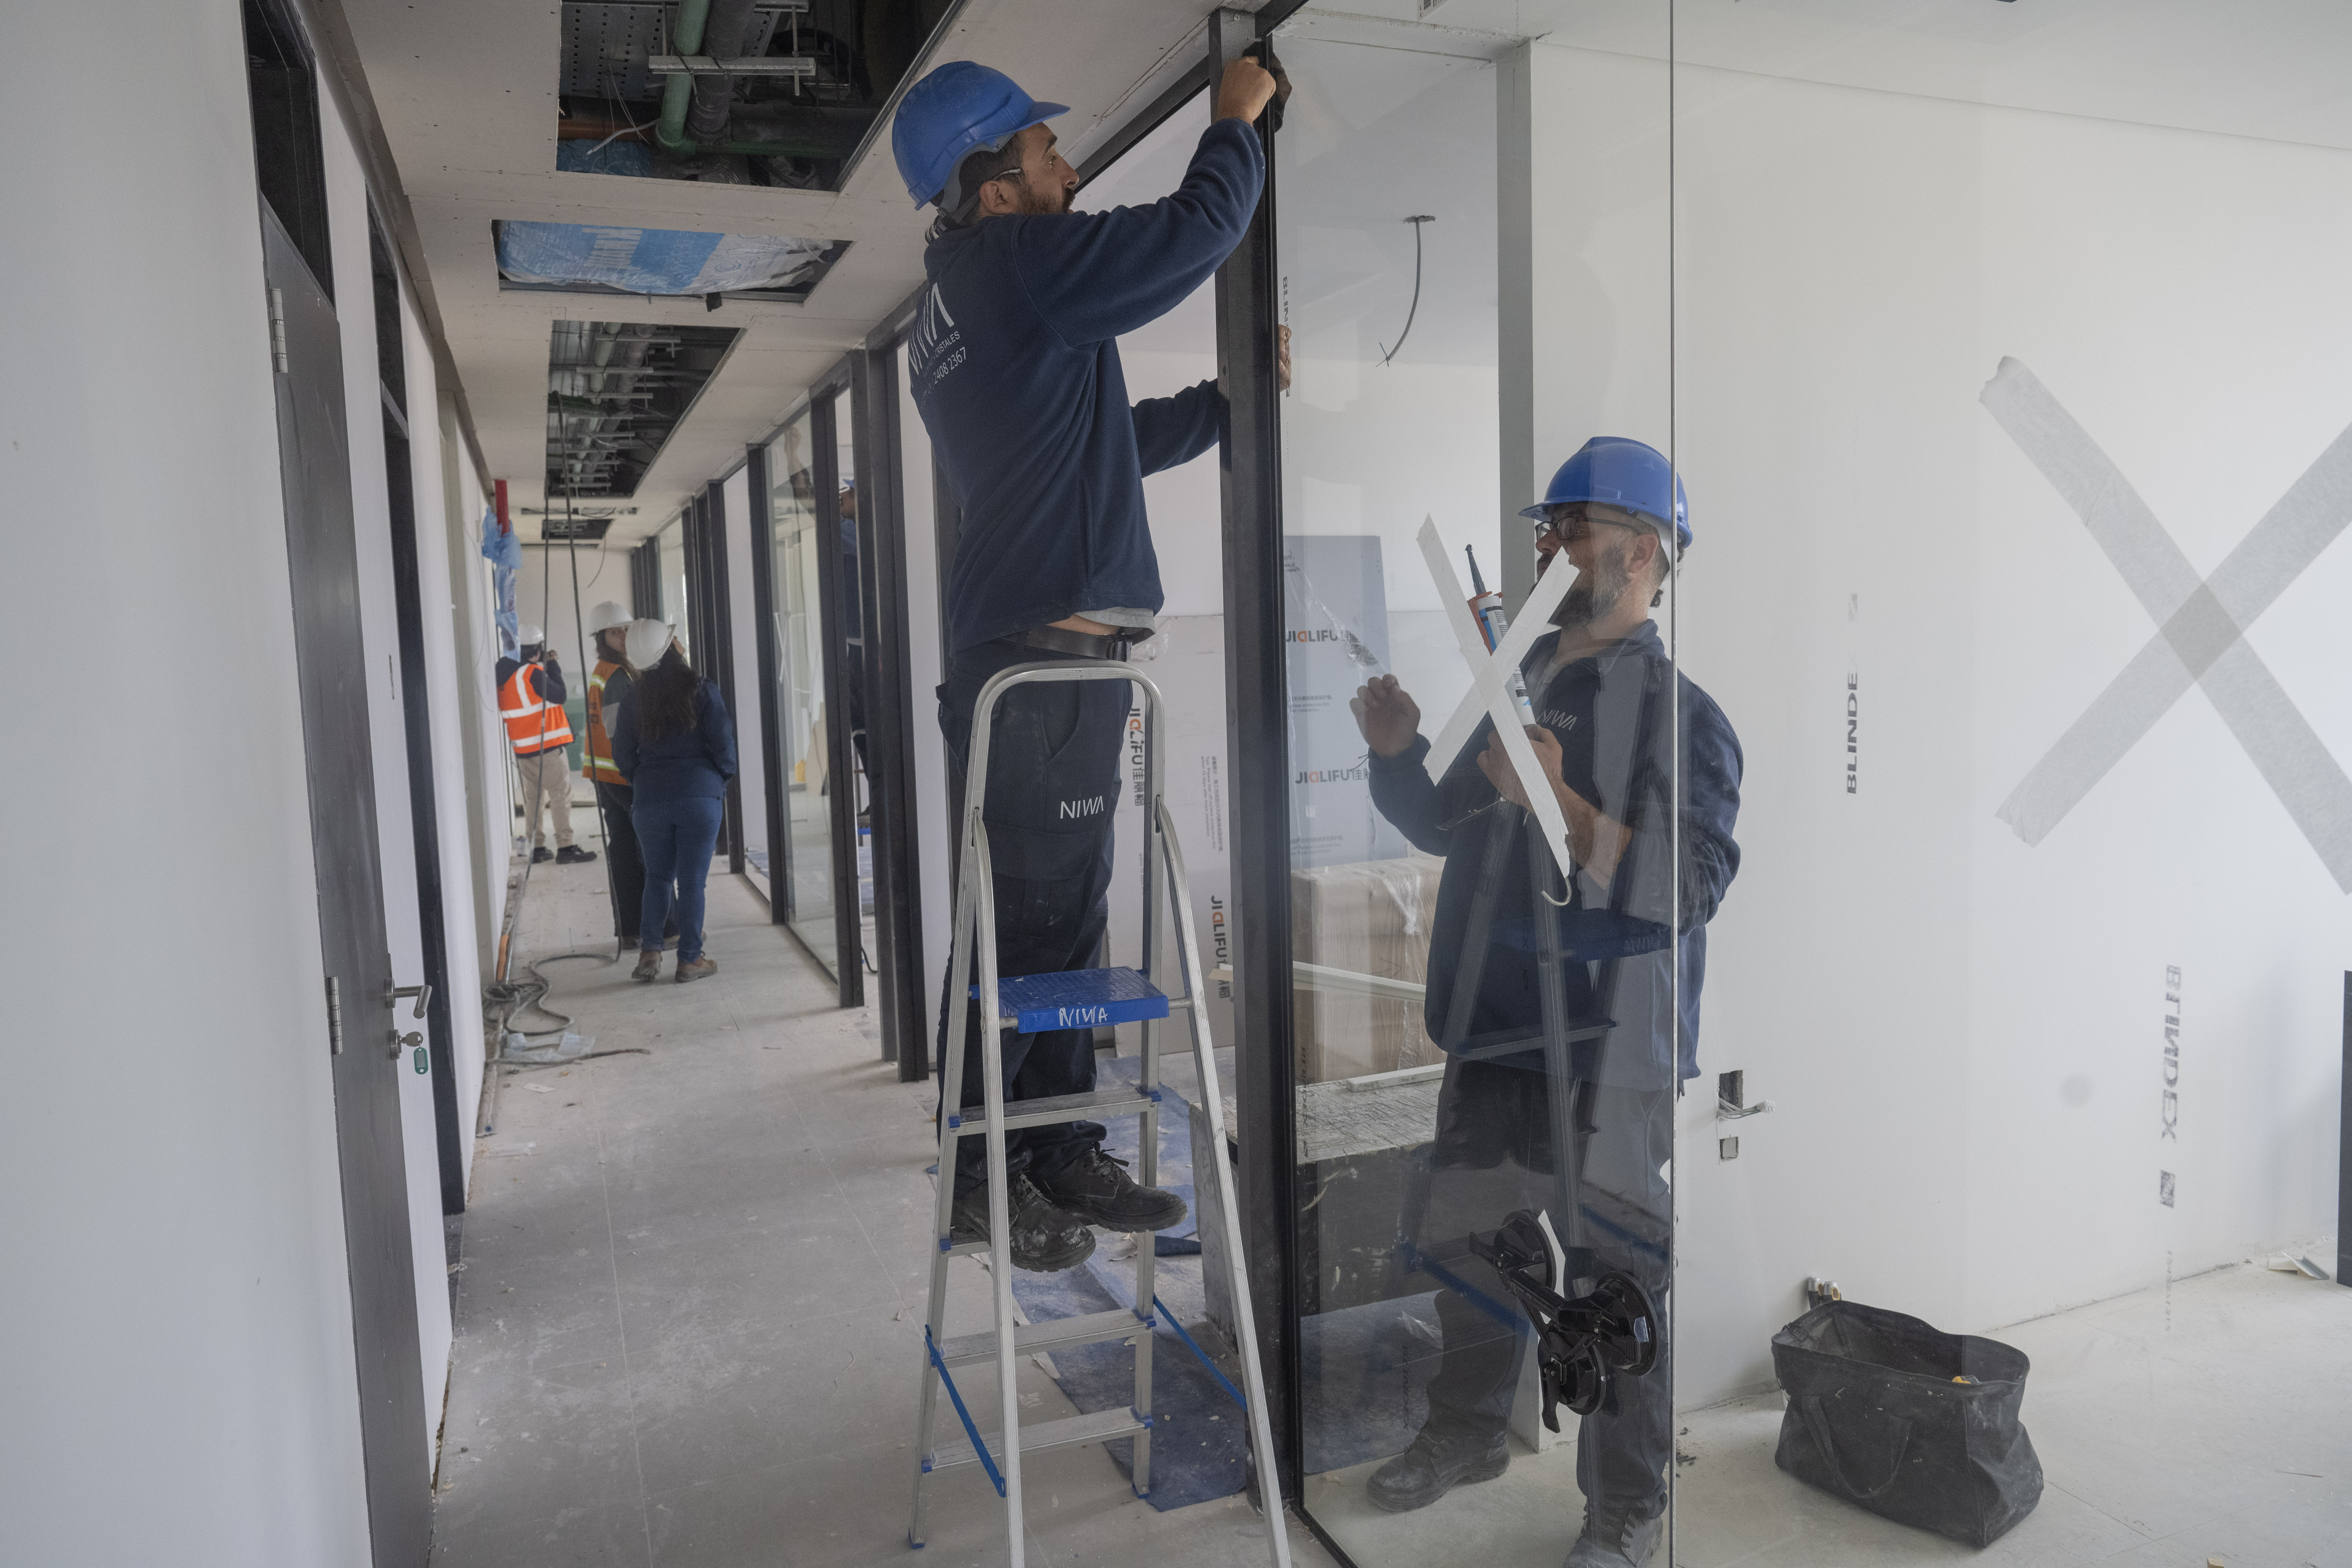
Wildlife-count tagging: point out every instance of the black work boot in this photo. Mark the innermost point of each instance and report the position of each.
(542, 853)
(1438, 1462)
(1097, 1188)
(1612, 1540)
(573, 854)
(1045, 1240)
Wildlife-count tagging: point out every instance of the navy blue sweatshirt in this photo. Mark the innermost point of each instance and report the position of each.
(695, 762)
(1015, 365)
(1613, 716)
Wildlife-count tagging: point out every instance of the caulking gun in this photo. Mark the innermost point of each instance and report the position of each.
(1486, 609)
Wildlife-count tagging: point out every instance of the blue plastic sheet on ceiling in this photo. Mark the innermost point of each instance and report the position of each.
(655, 260)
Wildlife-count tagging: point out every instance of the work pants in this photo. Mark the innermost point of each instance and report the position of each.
(627, 860)
(1052, 783)
(1493, 1155)
(677, 837)
(548, 773)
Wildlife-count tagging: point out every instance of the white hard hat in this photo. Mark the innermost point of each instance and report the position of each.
(647, 641)
(529, 636)
(607, 615)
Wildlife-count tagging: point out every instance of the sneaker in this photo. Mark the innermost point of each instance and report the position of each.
(1045, 1240)
(541, 853)
(1097, 1188)
(573, 854)
(648, 966)
(1438, 1462)
(1613, 1541)
(696, 968)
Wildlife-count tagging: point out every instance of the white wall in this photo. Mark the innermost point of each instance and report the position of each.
(1964, 1033)
(178, 1318)
(935, 842)
(454, 792)
(346, 226)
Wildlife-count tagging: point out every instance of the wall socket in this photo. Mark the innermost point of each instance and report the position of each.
(1727, 1148)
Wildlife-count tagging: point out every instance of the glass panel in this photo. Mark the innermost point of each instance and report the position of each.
(853, 621)
(2010, 400)
(1483, 952)
(797, 706)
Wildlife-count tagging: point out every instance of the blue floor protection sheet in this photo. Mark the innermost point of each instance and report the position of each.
(1199, 1437)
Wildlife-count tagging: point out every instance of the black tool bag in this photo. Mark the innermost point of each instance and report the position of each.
(1876, 1417)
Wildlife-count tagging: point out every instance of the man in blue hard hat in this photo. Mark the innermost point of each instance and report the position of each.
(1575, 1039)
(1014, 362)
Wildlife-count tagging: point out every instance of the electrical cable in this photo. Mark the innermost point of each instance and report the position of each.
(1416, 220)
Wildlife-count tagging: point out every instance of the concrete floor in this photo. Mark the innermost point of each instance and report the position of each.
(689, 1313)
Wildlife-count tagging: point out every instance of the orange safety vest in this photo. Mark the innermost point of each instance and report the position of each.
(600, 740)
(532, 724)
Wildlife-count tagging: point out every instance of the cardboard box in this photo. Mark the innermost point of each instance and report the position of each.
(1368, 917)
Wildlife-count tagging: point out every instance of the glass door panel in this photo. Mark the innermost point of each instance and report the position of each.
(1485, 953)
(797, 707)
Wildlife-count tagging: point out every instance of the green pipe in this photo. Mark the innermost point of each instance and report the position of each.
(677, 93)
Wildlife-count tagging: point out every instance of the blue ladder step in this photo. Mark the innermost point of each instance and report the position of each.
(1078, 999)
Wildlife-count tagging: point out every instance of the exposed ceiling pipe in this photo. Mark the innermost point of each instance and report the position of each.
(677, 93)
(725, 33)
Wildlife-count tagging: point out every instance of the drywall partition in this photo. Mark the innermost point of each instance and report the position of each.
(2012, 1072)
(743, 623)
(178, 1321)
(346, 223)
(454, 785)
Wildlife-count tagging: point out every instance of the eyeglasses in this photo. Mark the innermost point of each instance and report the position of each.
(1576, 530)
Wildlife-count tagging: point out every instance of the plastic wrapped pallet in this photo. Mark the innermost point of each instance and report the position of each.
(1366, 917)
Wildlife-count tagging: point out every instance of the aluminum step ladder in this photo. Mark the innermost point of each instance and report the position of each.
(1075, 999)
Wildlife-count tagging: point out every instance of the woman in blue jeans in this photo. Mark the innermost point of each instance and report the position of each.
(674, 743)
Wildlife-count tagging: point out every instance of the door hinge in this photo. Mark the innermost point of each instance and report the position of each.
(278, 334)
(334, 1009)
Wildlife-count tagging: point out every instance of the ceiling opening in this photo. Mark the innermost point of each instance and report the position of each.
(615, 391)
(784, 92)
(605, 259)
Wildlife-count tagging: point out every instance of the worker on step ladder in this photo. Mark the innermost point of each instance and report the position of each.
(1014, 362)
(1015, 365)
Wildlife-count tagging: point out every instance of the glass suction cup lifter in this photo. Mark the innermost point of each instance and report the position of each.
(1580, 1344)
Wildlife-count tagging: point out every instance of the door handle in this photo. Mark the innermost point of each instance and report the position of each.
(424, 994)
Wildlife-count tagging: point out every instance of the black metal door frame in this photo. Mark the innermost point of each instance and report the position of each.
(760, 483)
(1257, 725)
(841, 760)
(719, 615)
(899, 959)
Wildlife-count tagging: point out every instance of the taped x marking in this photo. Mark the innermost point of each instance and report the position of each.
(1489, 693)
(2201, 625)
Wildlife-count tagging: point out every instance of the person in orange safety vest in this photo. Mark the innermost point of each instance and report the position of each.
(530, 701)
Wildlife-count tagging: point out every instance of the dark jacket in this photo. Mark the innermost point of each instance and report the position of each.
(1614, 720)
(1014, 365)
(547, 679)
(695, 762)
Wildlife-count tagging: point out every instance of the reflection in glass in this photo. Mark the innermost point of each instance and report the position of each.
(797, 707)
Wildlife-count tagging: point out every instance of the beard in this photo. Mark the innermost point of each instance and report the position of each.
(1594, 593)
(1045, 204)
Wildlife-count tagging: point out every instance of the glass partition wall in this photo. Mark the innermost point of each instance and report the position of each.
(798, 708)
(1937, 439)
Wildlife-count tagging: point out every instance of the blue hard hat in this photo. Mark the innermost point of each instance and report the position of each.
(956, 108)
(1617, 471)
